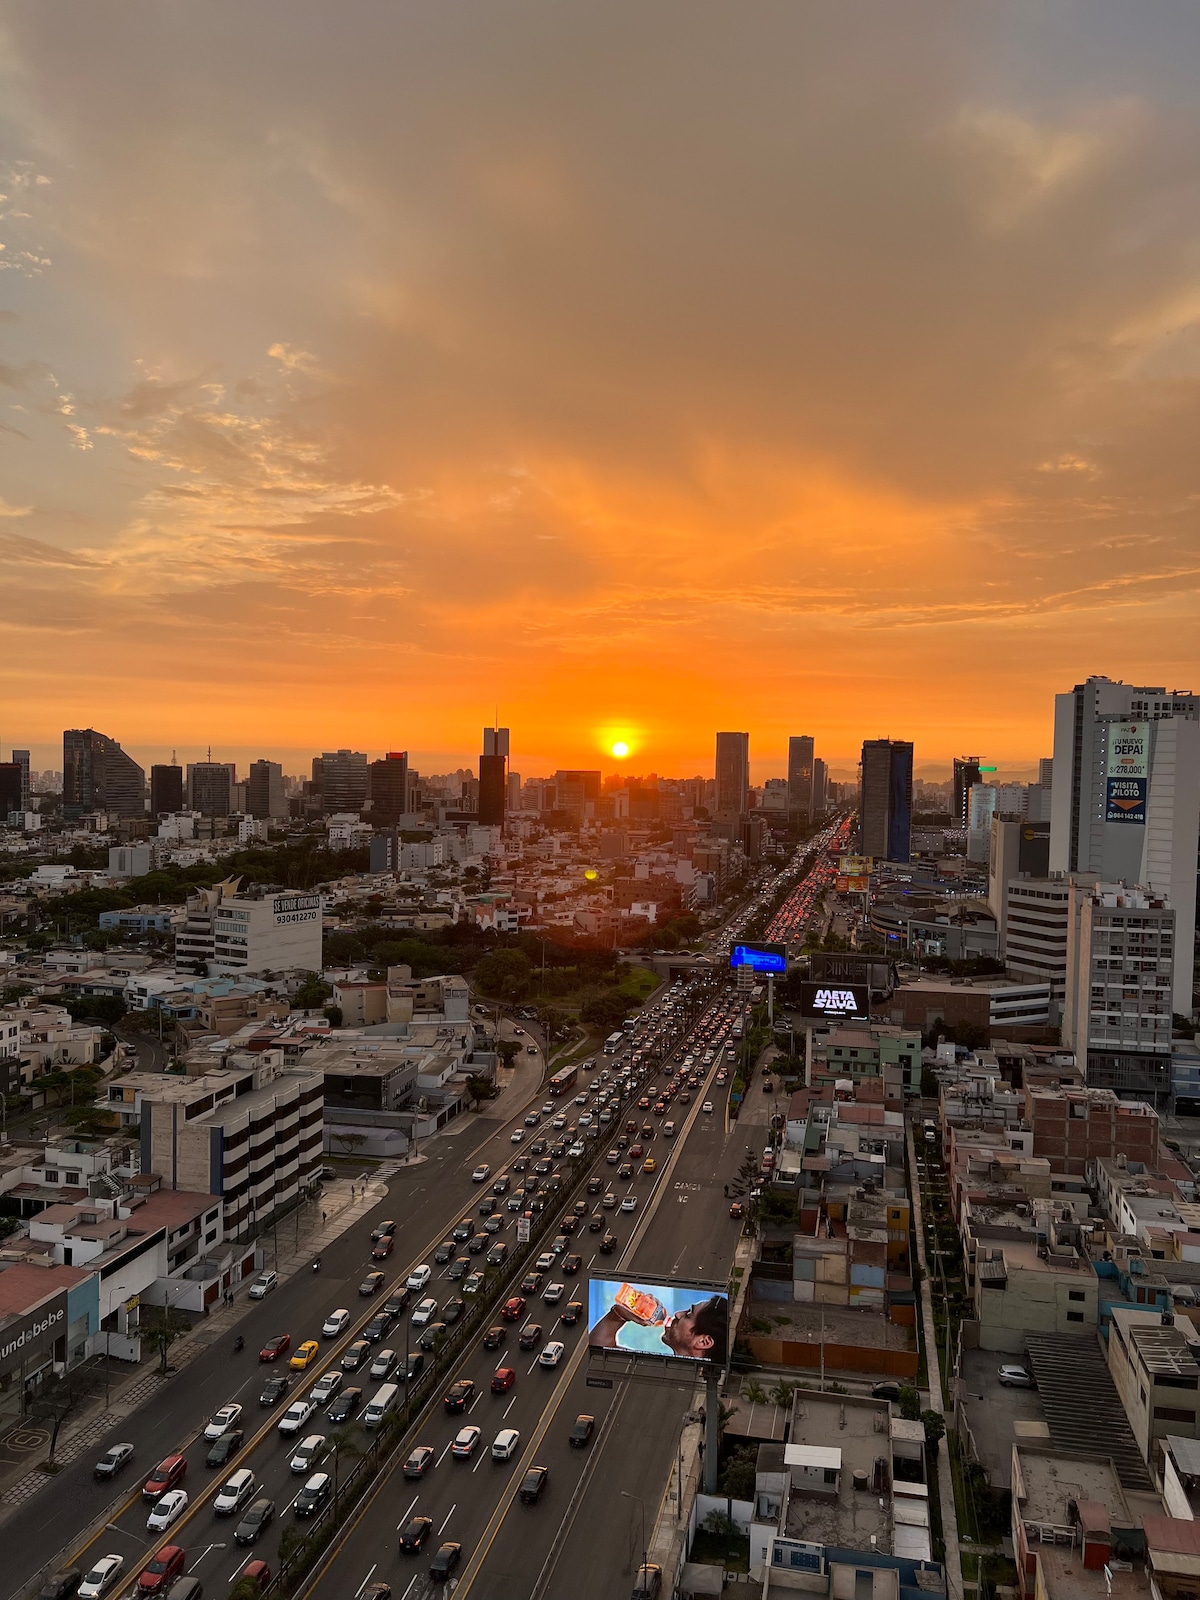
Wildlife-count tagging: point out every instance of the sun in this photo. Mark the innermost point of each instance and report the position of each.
(620, 749)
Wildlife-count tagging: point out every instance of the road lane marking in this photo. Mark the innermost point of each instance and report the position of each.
(403, 1520)
(409, 1590)
(449, 1514)
(365, 1581)
(509, 1407)
(442, 1457)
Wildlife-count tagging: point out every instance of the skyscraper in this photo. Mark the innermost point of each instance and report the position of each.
(820, 787)
(1125, 803)
(800, 776)
(264, 791)
(343, 778)
(389, 788)
(885, 799)
(493, 777)
(99, 776)
(10, 788)
(495, 742)
(966, 775)
(21, 758)
(166, 789)
(210, 787)
(733, 774)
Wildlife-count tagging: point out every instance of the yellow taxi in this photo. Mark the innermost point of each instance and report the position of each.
(649, 1165)
(306, 1353)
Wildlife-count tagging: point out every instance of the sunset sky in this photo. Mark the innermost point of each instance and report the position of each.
(637, 369)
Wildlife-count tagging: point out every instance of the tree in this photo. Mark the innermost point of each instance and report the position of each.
(164, 1332)
(351, 1143)
(909, 1403)
(343, 1446)
(504, 974)
(745, 1176)
(737, 1475)
(311, 994)
(508, 1050)
(935, 1427)
(333, 1015)
(89, 1122)
(479, 1089)
(605, 1010)
(755, 1393)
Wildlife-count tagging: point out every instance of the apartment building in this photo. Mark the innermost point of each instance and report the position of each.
(227, 933)
(1154, 1359)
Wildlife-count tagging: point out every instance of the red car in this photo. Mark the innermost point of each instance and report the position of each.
(737, 1209)
(503, 1379)
(166, 1475)
(383, 1249)
(513, 1310)
(161, 1570)
(636, 1151)
(258, 1572)
(274, 1348)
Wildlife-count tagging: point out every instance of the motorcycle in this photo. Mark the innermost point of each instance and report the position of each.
(239, 1344)
(316, 1266)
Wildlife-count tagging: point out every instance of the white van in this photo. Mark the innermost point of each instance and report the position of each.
(385, 1398)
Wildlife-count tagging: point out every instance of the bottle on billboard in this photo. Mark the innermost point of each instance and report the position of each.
(641, 1305)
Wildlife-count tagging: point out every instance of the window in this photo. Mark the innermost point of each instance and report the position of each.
(1074, 1316)
(1173, 1414)
(831, 1474)
(1076, 1294)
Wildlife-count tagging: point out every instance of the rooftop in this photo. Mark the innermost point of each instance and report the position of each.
(853, 1434)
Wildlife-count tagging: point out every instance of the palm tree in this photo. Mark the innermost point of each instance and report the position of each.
(342, 1443)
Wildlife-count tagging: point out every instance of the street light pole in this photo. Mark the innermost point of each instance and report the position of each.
(625, 1495)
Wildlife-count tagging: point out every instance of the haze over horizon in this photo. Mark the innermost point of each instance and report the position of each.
(645, 371)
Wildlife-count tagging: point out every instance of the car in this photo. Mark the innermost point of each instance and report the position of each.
(495, 1336)
(259, 1574)
(309, 1451)
(552, 1354)
(478, 1243)
(482, 1173)
(494, 1223)
(305, 1355)
(580, 1435)
(576, 1150)
(1016, 1377)
(424, 1311)
(275, 1347)
(382, 1250)
(419, 1461)
(532, 1485)
(609, 1200)
(167, 1510)
(465, 1442)
(222, 1451)
(274, 1390)
(613, 1157)
(296, 1415)
(459, 1396)
(530, 1335)
(160, 1572)
(515, 1202)
(258, 1518)
(420, 1276)
(383, 1230)
(371, 1283)
(345, 1406)
(375, 1329)
(263, 1284)
(594, 1185)
(101, 1578)
(531, 1283)
(737, 1209)
(649, 1165)
(706, 1107)
(636, 1152)
(571, 1264)
(327, 1386)
(498, 1254)
(313, 1495)
(453, 1309)
(571, 1313)
(503, 1379)
(521, 1164)
(444, 1563)
(395, 1303)
(547, 1258)
(221, 1421)
(596, 1222)
(113, 1459)
(517, 1136)
(61, 1585)
(414, 1534)
(504, 1445)
(538, 1147)
(234, 1492)
(444, 1252)
(412, 1368)
(553, 1293)
(458, 1268)
(383, 1363)
(531, 1119)
(608, 1244)
(432, 1337)
(625, 1171)
(886, 1390)
(629, 1203)
(335, 1323)
(167, 1475)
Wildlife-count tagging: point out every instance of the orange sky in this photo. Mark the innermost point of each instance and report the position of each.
(639, 372)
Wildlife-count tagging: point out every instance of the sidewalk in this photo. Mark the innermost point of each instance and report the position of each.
(298, 1242)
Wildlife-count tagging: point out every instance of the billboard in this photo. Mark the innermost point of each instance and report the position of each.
(831, 1001)
(762, 957)
(847, 885)
(1128, 772)
(687, 1321)
(856, 866)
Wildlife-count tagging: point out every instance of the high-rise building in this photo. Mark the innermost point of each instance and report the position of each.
(800, 776)
(493, 777)
(1018, 849)
(21, 758)
(1125, 803)
(265, 797)
(343, 780)
(389, 788)
(820, 787)
(10, 788)
(166, 789)
(733, 774)
(576, 792)
(495, 742)
(885, 799)
(966, 774)
(210, 787)
(1035, 931)
(99, 776)
(514, 791)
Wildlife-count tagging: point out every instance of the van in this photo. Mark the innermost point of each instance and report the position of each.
(385, 1398)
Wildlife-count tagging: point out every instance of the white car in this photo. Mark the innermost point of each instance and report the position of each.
(235, 1492)
(517, 1136)
(325, 1388)
(707, 1107)
(553, 1293)
(481, 1173)
(296, 1415)
(472, 1283)
(465, 1441)
(424, 1312)
(552, 1354)
(581, 1099)
(505, 1444)
(101, 1578)
(419, 1277)
(548, 1109)
(629, 1203)
(559, 1122)
(222, 1421)
(263, 1284)
(576, 1150)
(382, 1364)
(309, 1450)
(545, 1261)
(336, 1322)
(167, 1510)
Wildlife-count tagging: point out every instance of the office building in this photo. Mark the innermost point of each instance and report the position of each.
(800, 777)
(1036, 912)
(513, 782)
(984, 801)
(966, 775)
(885, 799)
(1117, 1008)
(495, 742)
(341, 779)
(166, 790)
(733, 774)
(226, 933)
(576, 792)
(820, 787)
(99, 776)
(389, 788)
(265, 797)
(11, 784)
(1125, 805)
(1018, 848)
(493, 790)
(21, 757)
(210, 787)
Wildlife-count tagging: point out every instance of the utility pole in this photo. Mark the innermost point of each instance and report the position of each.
(712, 1429)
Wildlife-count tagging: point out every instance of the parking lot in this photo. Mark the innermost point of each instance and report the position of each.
(991, 1409)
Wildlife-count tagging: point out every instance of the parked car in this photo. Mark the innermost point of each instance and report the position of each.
(1016, 1377)
(263, 1284)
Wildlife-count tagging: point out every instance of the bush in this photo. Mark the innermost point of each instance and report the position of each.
(504, 974)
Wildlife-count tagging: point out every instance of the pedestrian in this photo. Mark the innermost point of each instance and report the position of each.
(322, 1217)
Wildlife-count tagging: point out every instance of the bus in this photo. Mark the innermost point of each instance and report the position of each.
(630, 1025)
(613, 1043)
(564, 1080)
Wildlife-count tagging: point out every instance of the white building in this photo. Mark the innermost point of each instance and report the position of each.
(231, 933)
(1036, 912)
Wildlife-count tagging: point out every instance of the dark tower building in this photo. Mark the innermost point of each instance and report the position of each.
(99, 776)
(885, 799)
(389, 788)
(166, 789)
